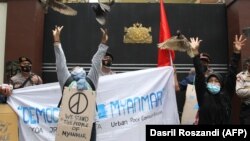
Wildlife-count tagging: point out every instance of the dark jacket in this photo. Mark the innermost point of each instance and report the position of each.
(215, 109)
(187, 80)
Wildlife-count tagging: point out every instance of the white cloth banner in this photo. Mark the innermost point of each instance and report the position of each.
(126, 103)
(36, 107)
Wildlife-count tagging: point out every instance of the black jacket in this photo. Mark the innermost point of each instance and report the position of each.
(215, 109)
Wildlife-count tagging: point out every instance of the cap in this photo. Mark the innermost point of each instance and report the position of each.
(21, 59)
(109, 54)
(205, 57)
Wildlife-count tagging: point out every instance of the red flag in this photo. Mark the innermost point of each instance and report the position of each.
(165, 57)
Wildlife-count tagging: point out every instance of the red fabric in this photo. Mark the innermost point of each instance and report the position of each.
(165, 57)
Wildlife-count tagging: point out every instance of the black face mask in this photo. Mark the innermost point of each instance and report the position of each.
(205, 68)
(106, 63)
(26, 68)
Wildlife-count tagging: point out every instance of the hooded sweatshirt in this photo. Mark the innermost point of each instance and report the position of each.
(215, 108)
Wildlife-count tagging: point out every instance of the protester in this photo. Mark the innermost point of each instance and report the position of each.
(205, 61)
(189, 79)
(243, 91)
(213, 94)
(106, 64)
(77, 78)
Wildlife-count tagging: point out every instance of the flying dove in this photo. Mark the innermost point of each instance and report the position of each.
(57, 6)
(177, 43)
(101, 11)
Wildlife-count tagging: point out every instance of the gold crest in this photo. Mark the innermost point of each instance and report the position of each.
(137, 34)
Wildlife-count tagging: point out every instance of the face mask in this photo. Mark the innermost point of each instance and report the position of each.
(26, 68)
(106, 63)
(78, 73)
(205, 68)
(214, 89)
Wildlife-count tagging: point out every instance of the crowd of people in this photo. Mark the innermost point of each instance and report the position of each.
(214, 93)
(77, 78)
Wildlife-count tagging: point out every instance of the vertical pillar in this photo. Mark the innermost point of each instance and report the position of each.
(3, 16)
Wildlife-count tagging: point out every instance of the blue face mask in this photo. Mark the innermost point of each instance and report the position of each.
(214, 89)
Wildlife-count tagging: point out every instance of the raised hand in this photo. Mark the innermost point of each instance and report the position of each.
(195, 43)
(56, 33)
(239, 43)
(104, 36)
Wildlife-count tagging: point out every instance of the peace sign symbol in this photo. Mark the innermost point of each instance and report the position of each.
(78, 103)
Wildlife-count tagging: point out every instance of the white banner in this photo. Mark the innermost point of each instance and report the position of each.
(126, 103)
(191, 106)
(37, 110)
(129, 101)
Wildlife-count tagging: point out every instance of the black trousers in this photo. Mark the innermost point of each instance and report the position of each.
(3, 99)
(245, 114)
(93, 133)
